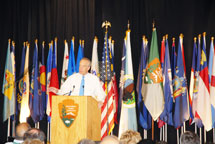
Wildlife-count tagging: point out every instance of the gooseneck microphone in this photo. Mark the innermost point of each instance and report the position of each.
(71, 91)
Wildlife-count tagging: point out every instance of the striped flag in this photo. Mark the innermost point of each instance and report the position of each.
(24, 110)
(8, 86)
(113, 79)
(65, 63)
(107, 109)
(203, 96)
(128, 119)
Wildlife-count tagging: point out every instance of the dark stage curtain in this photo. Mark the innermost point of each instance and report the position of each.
(26, 20)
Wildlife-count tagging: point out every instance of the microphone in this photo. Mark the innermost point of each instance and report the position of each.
(71, 91)
(68, 93)
(73, 88)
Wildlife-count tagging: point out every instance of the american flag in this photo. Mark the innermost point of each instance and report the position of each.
(107, 110)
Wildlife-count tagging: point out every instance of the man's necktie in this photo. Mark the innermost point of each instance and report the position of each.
(81, 93)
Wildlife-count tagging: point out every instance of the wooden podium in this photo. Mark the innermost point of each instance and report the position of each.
(86, 124)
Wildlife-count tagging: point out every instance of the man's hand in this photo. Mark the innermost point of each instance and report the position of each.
(100, 103)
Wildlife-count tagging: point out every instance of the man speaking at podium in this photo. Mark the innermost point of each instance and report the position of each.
(83, 83)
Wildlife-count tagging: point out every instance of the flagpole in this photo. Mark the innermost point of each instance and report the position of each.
(48, 123)
(153, 28)
(182, 130)
(165, 132)
(145, 131)
(213, 135)
(205, 137)
(145, 134)
(14, 91)
(8, 122)
(166, 36)
(82, 45)
(177, 136)
(8, 128)
(106, 24)
(152, 129)
(195, 128)
(48, 134)
(200, 134)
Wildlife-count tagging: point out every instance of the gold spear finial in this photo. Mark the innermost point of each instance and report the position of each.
(82, 43)
(96, 39)
(128, 25)
(50, 44)
(173, 39)
(166, 36)
(13, 43)
(204, 34)
(143, 37)
(181, 35)
(110, 38)
(153, 25)
(43, 43)
(36, 40)
(195, 39)
(73, 38)
(112, 41)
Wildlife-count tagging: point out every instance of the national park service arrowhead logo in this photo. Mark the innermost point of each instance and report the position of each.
(68, 111)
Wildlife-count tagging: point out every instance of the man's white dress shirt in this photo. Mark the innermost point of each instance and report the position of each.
(92, 86)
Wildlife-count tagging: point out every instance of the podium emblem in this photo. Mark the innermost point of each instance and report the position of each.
(68, 111)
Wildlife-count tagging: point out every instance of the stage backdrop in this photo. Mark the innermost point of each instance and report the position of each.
(26, 20)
